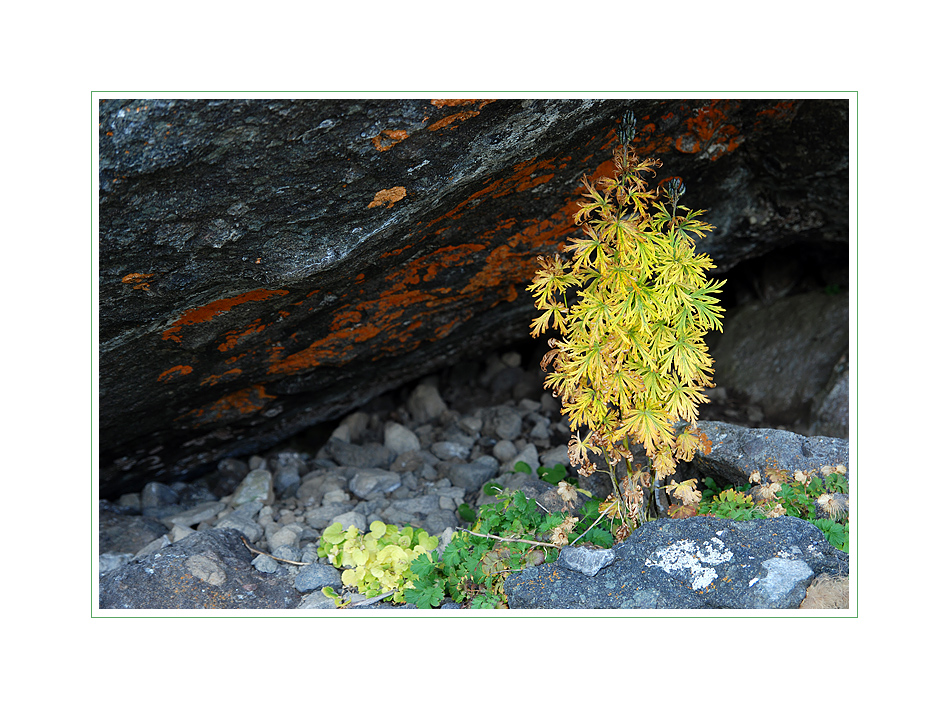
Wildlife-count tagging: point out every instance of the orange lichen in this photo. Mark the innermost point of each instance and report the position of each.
(137, 281)
(461, 116)
(205, 313)
(709, 132)
(215, 379)
(388, 197)
(233, 337)
(174, 372)
(243, 402)
(388, 138)
(441, 103)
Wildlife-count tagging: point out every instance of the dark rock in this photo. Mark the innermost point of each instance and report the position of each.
(317, 576)
(737, 451)
(120, 533)
(781, 354)
(472, 476)
(269, 264)
(830, 407)
(369, 455)
(206, 570)
(695, 563)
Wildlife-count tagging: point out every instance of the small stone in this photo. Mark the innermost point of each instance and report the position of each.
(159, 500)
(557, 455)
(256, 486)
(371, 455)
(400, 439)
(263, 563)
(357, 520)
(585, 560)
(286, 552)
(206, 569)
(287, 535)
(435, 523)
(320, 517)
(335, 495)
(471, 476)
(425, 403)
(447, 450)
(366, 483)
(504, 450)
(317, 576)
(179, 532)
(190, 518)
(529, 454)
(471, 425)
(505, 422)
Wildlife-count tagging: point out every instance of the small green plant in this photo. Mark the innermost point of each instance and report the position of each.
(820, 499)
(375, 562)
(513, 534)
(632, 305)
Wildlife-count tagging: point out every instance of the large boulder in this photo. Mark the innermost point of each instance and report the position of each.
(696, 563)
(269, 264)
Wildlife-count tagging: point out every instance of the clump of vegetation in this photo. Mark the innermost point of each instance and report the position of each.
(631, 304)
(511, 535)
(819, 496)
(376, 562)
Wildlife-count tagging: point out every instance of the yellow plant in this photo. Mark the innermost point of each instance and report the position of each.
(632, 303)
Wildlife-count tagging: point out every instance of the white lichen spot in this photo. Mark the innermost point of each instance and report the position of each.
(686, 557)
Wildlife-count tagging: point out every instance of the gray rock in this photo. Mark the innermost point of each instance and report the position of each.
(284, 535)
(425, 403)
(265, 564)
(316, 576)
(208, 570)
(780, 355)
(199, 514)
(529, 455)
(422, 505)
(370, 455)
(320, 517)
(435, 523)
(400, 439)
(111, 560)
(447, 450)
(286, 481)
(471, 476)
(504, 423)
(242, 520)
(694, 563)
(351, 518)
(830, 407)
(366, 483)
(126, 534)
(471, 425)
(585, 560)
(315, 485)
(555, 456)
(737, 451)
(504, 450)
(256, 486)
(287, 552)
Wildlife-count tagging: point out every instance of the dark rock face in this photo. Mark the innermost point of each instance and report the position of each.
(735, 452)
(269, 264)
(696, 563)
(207, 570)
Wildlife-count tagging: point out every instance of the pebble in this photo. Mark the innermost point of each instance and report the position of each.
(412, 464)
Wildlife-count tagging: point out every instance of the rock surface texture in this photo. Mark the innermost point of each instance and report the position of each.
(696, 563)
(265, 265)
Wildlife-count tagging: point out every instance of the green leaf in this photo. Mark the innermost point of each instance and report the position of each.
(521, 467)
(466, 513)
